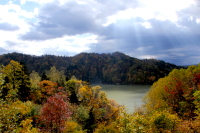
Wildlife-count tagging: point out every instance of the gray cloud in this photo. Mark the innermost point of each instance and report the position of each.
(10, 43)
(191, 11)
(157, 41)
(57, 20)
(8, 27)
(128, 36)
(3, 51)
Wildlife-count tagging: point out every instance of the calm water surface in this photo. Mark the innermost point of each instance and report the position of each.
(128, 95)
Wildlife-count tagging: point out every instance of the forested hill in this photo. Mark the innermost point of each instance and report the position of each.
(115, 68)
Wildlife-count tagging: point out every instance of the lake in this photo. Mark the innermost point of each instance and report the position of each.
(128, 95)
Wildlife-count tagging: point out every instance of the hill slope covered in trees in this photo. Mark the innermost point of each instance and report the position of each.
(115, 68)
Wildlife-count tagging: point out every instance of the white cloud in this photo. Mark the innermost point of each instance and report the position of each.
(12, 13)
(22, 2)
(166, 8)
(81, 2)
(49, 1)
(128, 14)
(36, 11)
(148, 57)
(144, 48)
(157, 9)
(198, 21)
(77, 45)
(38, 1)
(147, 25)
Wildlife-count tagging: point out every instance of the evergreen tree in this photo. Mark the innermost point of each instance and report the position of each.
(24, 88)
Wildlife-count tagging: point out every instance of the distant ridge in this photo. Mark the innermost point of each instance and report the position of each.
(111, 68)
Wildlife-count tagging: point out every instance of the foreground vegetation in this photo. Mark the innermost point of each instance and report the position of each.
(30, 104)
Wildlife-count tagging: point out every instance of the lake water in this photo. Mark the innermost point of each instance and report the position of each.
(128, 95)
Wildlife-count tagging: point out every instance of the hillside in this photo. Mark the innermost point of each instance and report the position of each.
(115, 68)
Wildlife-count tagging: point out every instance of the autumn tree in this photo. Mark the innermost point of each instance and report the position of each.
(175, 92)
(11, 114)
(27, 127)
(45, 89)
(55, 113)
(16, 82)
(12, 72)
(91, 104)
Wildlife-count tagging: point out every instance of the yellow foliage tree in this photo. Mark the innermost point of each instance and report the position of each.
(12, 73)
(84, 94)
(11, 114)
(72, 127)
(27, 127)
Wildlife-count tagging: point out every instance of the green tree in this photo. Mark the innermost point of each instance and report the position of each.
(56, 76)
(2, 76)
(24, 88)
(72, 88)
(34, 79)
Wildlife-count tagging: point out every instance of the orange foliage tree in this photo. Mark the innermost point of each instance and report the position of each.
(45, 90)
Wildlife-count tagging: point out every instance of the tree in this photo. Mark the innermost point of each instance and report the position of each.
(55, 113)
(34, 79)
(24, 88)
(175, 92)
(2, 76)
(16, 82)
(72, 88)
(45, 90)
(11, 114)
(91, 104)
(56, 76)
(27, 127)
(12, 82)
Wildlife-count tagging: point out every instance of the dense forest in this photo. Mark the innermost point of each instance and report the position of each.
(114, 68)
(32, 104)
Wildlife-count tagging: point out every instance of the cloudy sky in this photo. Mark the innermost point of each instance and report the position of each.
(167, 30)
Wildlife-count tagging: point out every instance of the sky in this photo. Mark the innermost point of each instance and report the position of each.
(166, 30)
